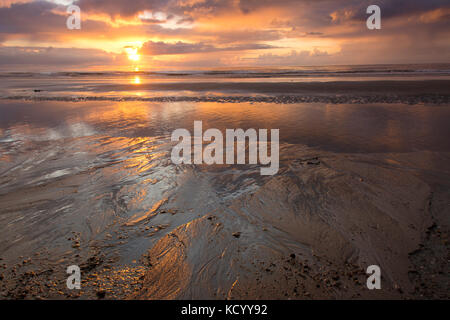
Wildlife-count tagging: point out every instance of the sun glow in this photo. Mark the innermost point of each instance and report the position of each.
(133, 54)
(137, 80)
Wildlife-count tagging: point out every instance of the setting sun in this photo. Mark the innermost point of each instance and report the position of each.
(132, 54)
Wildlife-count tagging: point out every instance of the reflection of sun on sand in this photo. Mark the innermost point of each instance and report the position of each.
(310, 231)
(137, 80)
(131, 112)
(147, 215)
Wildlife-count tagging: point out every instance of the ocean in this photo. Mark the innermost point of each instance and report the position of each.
(211, 83)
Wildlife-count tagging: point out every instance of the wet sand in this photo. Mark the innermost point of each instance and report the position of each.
(311, 231)
(96, 188)
(335, 92)
(307, 233)
(380, 87)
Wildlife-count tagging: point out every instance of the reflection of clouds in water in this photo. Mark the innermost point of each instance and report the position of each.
(53, 175)
(75, 130)
(27, 132)
(125, 112)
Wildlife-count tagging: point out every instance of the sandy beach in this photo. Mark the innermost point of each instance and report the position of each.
(225, 233)
(309, 232)
(238, 91)
(363, 180)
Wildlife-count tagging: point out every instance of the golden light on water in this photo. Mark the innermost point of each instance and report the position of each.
(137, 80)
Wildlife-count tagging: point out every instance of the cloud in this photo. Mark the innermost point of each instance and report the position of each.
(26, 17)
(163, 48)
(304, 57)
(41, 20)
(63, 58)
(121, 8)
(186, 8)
(226, 31)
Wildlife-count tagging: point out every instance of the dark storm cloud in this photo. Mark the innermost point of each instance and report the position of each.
(400, 8)
(42, 17)
(390, 8)
(25, 17)
(122, 8)
(328, 13)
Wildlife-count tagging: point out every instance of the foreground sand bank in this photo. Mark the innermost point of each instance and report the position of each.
(307, 233)
(93, 185)
(311, 232)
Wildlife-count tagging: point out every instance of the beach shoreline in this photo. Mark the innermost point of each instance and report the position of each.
(334, 92)
(86, 180)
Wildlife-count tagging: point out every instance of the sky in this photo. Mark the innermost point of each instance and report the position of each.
(195, 34)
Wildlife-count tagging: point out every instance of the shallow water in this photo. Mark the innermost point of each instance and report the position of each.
(334, 127)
